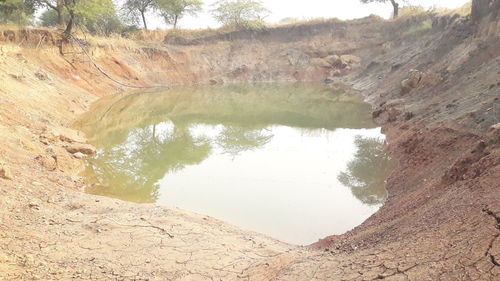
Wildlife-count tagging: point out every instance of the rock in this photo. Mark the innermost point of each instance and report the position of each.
(494, 134)
(66, 162)
(334, 73)
(480, 147)
(66, 135)
(41, 76)
(79, 155)
(320, 63)
(417, 79)
(83, 148)
(408, 116)
(351, 60)
(377, 113)
(48, 162)
(333, 60)
(5, 172)
(394, 102)
(34, 205)
(495, 127)
(329, 80)
(393, 114)
(414, 78)
(238, 71)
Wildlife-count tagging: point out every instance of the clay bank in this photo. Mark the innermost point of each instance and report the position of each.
(433, 85)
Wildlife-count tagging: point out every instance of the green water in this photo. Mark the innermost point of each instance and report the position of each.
(295, 162)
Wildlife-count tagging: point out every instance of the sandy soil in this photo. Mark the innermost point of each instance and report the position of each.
(442, 218)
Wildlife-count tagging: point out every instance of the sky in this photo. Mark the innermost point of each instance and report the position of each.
(280, 9)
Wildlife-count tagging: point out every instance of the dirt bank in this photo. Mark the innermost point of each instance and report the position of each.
(433, 81)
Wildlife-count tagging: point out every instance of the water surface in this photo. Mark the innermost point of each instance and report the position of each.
(295, 162)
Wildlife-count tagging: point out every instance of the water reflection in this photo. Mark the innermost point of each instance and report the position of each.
(366, 172)
(251, 155)
(131, 170)
(235, 140)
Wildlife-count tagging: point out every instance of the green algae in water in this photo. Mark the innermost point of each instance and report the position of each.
(295, 162)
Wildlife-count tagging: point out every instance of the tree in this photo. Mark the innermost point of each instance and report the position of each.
(71, 11)
(49, 18)
(173, 10)
(17, 11)
(55, 5)
(238, 12)
(135, 9)
(395, 5)
(90, 10)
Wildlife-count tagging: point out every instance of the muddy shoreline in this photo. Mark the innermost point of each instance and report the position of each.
(441, 221)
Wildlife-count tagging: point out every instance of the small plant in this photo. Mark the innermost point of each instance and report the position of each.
(419, 30)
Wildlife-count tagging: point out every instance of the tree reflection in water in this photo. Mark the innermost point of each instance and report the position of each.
(235, 140)
(367, 171)
(131, 171)
(144, 137)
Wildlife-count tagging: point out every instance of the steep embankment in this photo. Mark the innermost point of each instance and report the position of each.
(435, 88)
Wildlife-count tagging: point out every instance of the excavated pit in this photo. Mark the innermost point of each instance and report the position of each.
(433, 84)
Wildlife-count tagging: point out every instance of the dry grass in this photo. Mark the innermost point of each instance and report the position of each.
(462, 11)
(419, 10)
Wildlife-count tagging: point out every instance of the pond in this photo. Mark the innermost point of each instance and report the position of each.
(295, 162)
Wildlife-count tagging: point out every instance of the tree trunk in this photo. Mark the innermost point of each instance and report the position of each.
(395, 6)
(69, 27)
(175, 21)
(144, 20)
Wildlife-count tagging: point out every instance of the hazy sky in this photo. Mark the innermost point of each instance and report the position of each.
(342, 9)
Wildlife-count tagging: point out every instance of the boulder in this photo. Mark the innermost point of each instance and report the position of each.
(83, 148)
